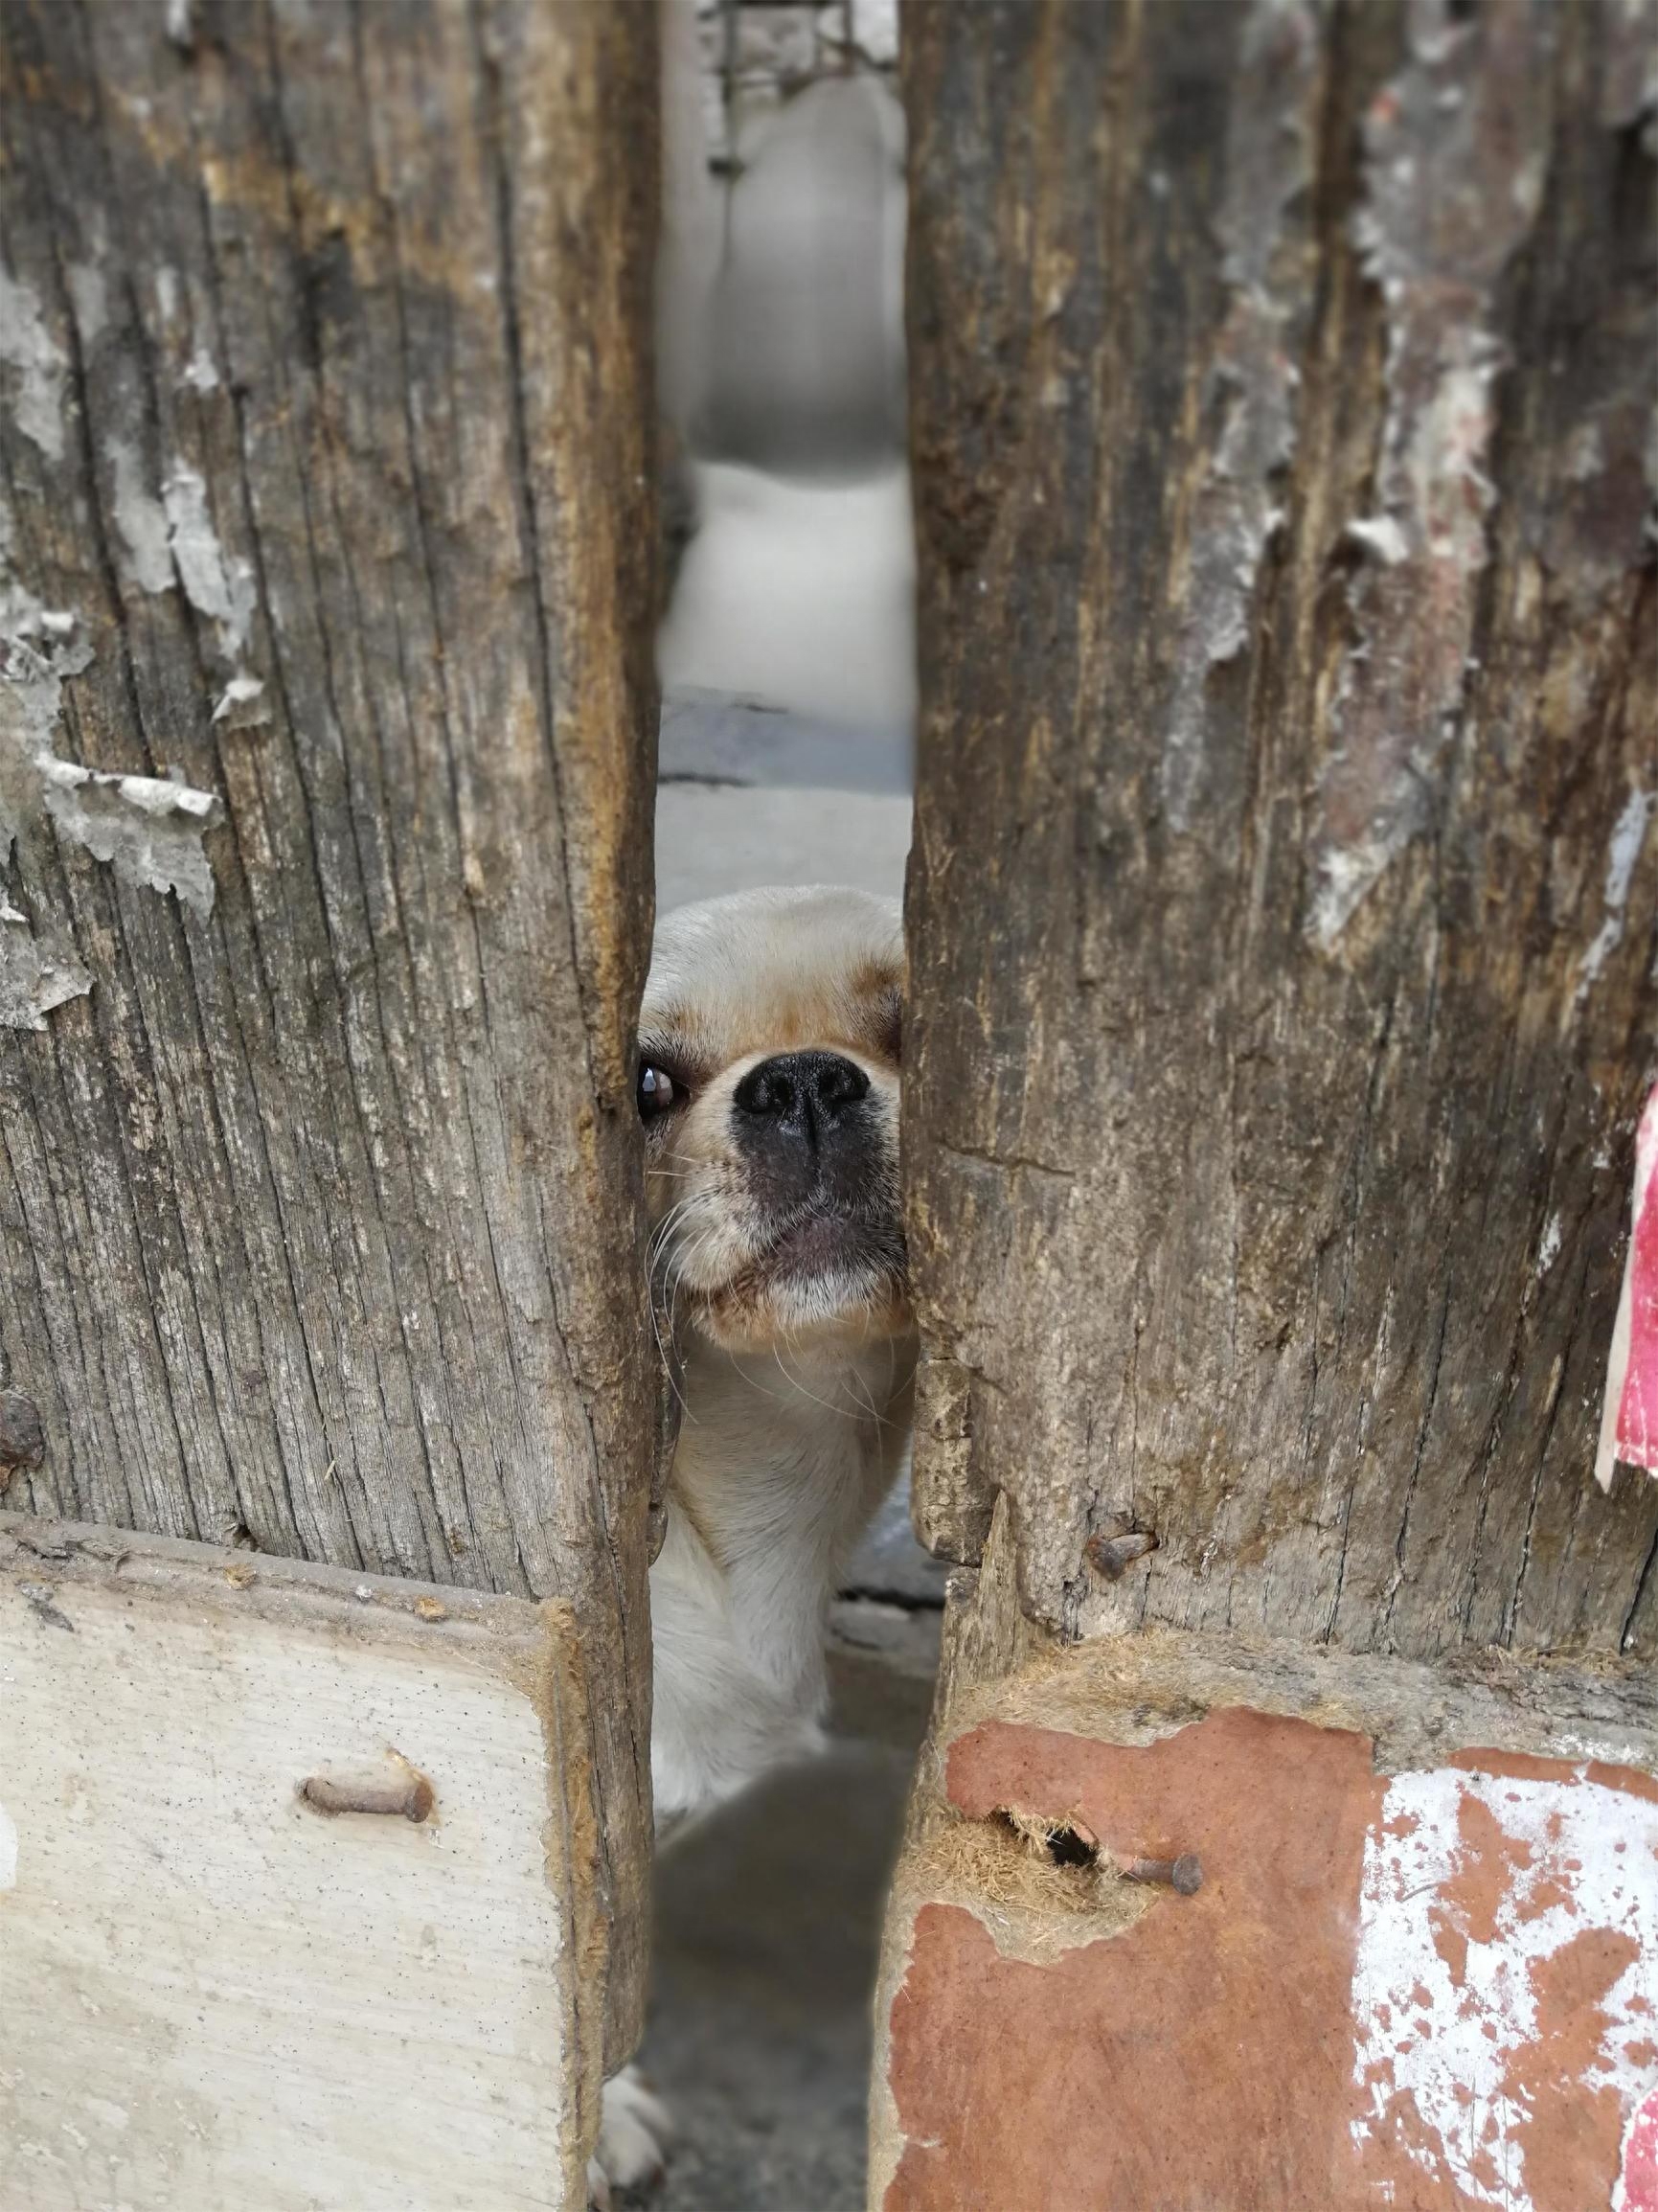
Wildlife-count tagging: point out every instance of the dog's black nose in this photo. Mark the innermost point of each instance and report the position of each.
(803, 1093)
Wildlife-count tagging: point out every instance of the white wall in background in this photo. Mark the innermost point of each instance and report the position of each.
(797, 593)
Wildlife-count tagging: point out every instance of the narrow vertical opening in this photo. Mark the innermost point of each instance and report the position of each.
(786, 658)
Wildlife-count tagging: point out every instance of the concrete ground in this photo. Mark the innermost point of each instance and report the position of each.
(767, 1922)
(768, 1917)
(712, 840)
(751, 794)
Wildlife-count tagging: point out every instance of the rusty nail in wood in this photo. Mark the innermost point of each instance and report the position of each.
(1184, 1873)
(412, 1797)
(1114, 1554)
(22, 1439)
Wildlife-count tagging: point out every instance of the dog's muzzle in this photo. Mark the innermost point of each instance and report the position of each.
(805, 1128)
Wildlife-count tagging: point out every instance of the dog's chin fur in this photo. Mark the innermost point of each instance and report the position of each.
(845, 1295)
(816, 1321)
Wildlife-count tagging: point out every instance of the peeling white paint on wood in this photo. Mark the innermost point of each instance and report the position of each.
(149, 827)
(140, 519)
(1381, 537)
(202, 371)
(89, 296)
(234, 704)
(1269, 169)
(1629, 835)
(1450, 1982)
(33, 978)
(171, 540)
(1548, 1246)
(37, 653)
(218, 587)
(1454, 174)
(37, 362)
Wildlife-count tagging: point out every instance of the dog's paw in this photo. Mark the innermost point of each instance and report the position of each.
(635, 2134)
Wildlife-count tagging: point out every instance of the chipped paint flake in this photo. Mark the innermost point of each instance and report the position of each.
(1268, 168)
(1549, 1248)
(173, 540)
(1453, 170)
(89, 296)
(1380, 537)
(149, 829)
(201, 372)
(236, 705)
(1629, 835)
(37, 362)
(36, 660)
(140, 521)
(1479, 1892)
(220, 588)
(32, 979)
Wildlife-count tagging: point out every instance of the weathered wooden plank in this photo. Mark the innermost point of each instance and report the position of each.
(1282, 388)
(220, 1994)
(1416, 1963)
(323, 428)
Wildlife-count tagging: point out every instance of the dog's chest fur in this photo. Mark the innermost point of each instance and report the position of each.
(779, 1468)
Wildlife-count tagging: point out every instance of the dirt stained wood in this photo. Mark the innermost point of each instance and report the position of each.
(323, 419)
(1283, 907)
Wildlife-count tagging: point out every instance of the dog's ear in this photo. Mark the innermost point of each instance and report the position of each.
(887, 1021)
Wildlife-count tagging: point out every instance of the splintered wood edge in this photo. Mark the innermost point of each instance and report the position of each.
(229, 1581)
(533, 1646)
(1134, 1687)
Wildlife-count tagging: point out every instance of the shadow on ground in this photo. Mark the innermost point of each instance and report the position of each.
(768, 1922)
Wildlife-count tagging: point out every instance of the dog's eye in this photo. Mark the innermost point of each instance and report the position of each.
(657, 1092)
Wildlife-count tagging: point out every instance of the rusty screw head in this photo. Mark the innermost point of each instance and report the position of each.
(22, 1439)
(1184, 1873)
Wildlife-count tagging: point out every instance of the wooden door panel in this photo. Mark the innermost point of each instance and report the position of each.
(225, 1986)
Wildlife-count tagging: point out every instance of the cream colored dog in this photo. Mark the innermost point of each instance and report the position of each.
(768, 1086)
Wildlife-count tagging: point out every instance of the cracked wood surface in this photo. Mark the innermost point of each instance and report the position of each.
(323, 415)
(1285, 898)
